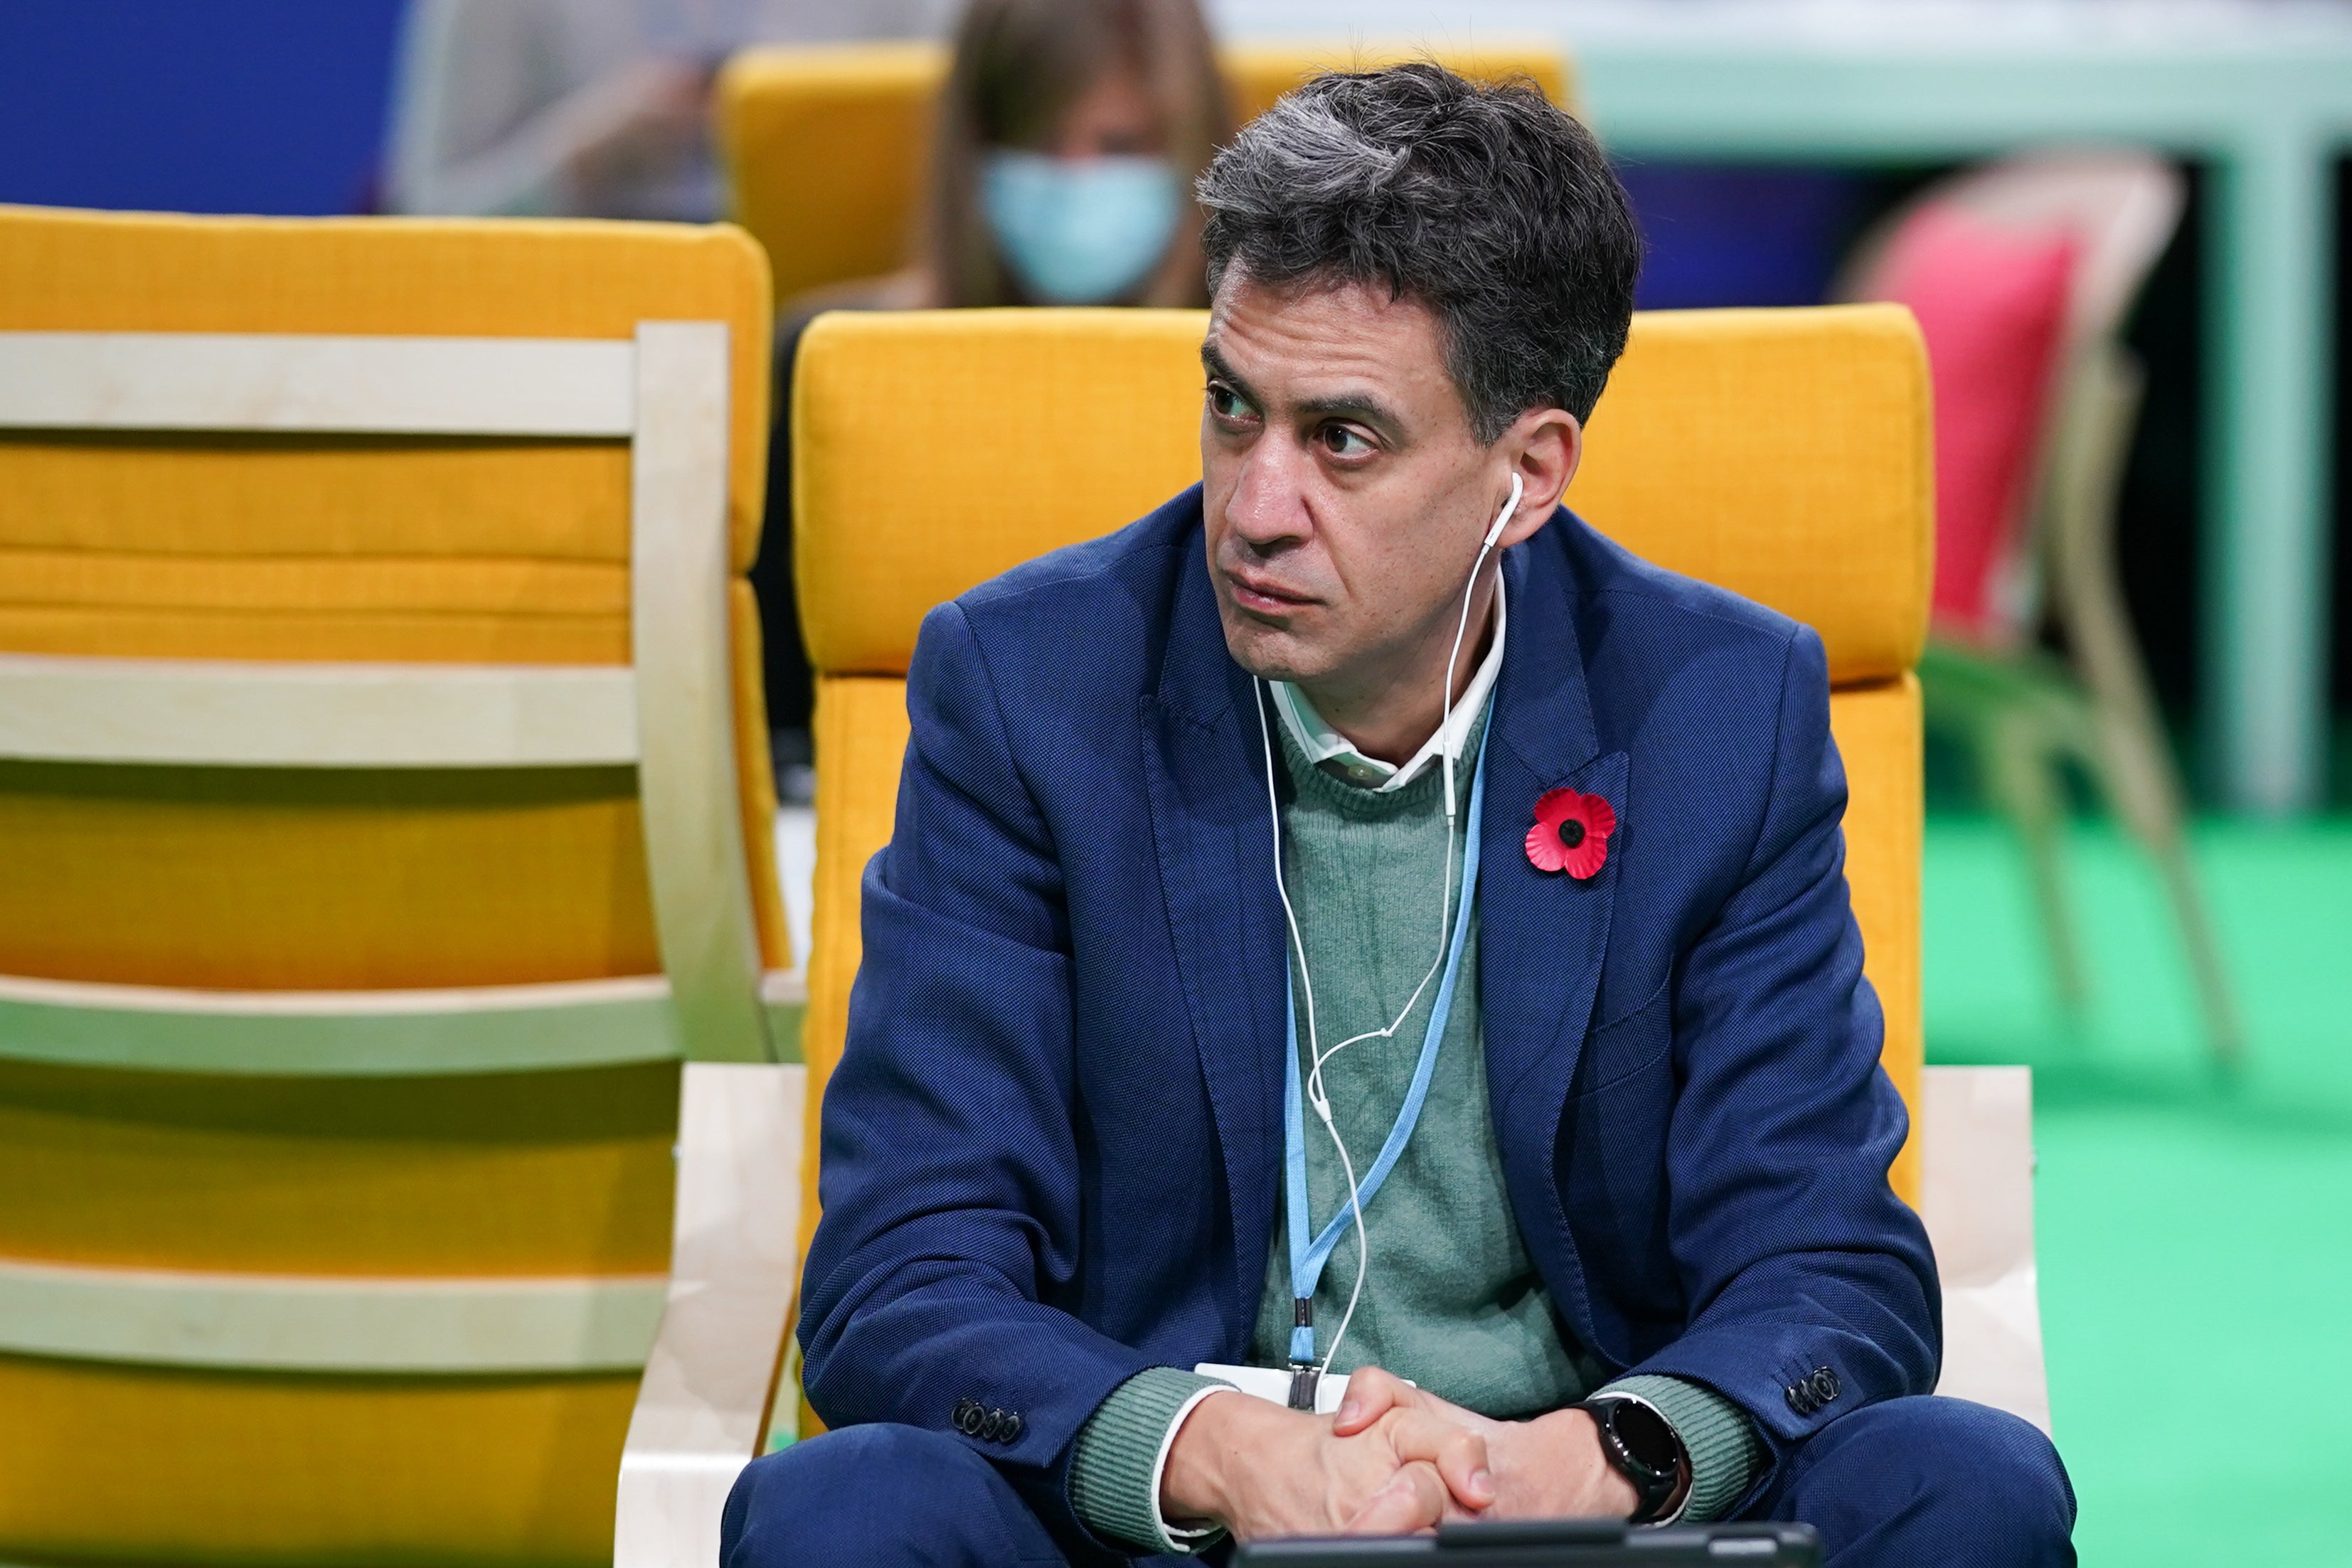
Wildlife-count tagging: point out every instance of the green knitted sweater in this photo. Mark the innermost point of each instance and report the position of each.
(1452, 1302)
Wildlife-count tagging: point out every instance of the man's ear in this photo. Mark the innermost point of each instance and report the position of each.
(1543, 446)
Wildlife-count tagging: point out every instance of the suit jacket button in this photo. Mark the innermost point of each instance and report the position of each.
(1011, 1430)
(1825, 1385)
(968, 1417)
(991, 1423)
(1800, 1398)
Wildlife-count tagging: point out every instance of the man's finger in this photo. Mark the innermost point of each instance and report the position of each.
(1371, 1393)
(1458, 1453)
(1412, 1500)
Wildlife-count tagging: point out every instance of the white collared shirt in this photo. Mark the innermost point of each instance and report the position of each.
(1333, 752)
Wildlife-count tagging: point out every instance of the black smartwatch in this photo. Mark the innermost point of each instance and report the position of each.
(1644, 1450)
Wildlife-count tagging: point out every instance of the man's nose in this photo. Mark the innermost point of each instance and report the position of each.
(1268, 505)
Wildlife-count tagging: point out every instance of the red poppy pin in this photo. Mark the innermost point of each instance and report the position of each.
(1571, 833)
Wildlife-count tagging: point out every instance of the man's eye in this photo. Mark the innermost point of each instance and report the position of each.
(1226, 404)
(1341, 442)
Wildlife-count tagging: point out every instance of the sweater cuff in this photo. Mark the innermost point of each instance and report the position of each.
(1114, 1467)
(1724, 1453)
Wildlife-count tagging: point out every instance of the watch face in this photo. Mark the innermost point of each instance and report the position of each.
(1644, 1434)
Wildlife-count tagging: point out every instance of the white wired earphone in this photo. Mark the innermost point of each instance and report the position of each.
(1315, 1094)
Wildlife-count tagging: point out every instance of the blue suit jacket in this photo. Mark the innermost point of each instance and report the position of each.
(1051, 1152)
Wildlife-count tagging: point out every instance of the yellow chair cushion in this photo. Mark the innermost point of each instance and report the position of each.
(121, 1464)
(824, 145)
(1877, 732)
(394, 550)
(1258, 73)
(1110, 401)
(115, 272)
(541, 1173)
(1783, 454)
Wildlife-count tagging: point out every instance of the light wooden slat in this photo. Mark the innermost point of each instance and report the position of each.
(325, 1323)
(1978, 1204)
(701, 1410)
(783, 996)
(686, 778)
(258, 713)
(413, 1033)
(389, 385)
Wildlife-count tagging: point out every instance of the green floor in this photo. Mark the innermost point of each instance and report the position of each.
(2195, 1238)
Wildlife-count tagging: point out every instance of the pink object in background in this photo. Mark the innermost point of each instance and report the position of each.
(1992, 302)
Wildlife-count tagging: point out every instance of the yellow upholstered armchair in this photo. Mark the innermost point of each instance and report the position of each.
(385, 813)
(824, 144)
(1783, 454)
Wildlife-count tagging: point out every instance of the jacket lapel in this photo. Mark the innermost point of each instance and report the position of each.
(1541, 934)
(1205, 767)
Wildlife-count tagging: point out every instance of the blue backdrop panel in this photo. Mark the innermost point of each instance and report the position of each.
(1734, 235)
(208, 106)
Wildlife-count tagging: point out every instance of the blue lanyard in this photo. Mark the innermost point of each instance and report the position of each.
(1307, 1258)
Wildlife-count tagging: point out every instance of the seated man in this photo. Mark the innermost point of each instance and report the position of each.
(1280, 963)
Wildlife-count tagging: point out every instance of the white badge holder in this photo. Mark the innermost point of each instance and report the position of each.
(1273, 1384)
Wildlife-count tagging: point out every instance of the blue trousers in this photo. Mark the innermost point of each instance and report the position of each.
(1905, 1484)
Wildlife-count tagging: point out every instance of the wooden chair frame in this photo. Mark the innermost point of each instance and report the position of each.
(2021, 710)
(669, 713)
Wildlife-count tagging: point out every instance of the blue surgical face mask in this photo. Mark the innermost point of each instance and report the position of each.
(1080, 231)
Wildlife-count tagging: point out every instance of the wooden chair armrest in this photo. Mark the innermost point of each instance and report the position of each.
(701, 1410)
(1977, 1203)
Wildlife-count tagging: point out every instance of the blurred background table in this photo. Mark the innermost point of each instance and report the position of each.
(2259, 93)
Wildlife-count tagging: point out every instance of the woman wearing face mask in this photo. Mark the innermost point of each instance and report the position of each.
(1068, 136)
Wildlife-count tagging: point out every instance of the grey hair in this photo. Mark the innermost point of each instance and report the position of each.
(1485, 203)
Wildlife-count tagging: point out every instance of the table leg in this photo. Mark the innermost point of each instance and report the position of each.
(2269, 312)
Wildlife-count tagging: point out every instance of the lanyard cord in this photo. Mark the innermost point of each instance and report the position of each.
(1307, 1258)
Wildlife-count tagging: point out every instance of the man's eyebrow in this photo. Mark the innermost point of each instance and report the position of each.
(1363, 406)
(1215, 363)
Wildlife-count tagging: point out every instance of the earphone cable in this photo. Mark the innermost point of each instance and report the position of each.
(1316, 1094)
(1316, 1091)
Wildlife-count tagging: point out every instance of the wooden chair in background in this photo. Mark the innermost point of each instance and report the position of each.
(385, 801)
(2023, 274)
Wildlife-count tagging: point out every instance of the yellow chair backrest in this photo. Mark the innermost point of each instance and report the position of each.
(240, 902)
(1783, 454)
(824, 145)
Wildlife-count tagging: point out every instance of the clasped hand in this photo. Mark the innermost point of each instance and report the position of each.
(1395, 1459)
